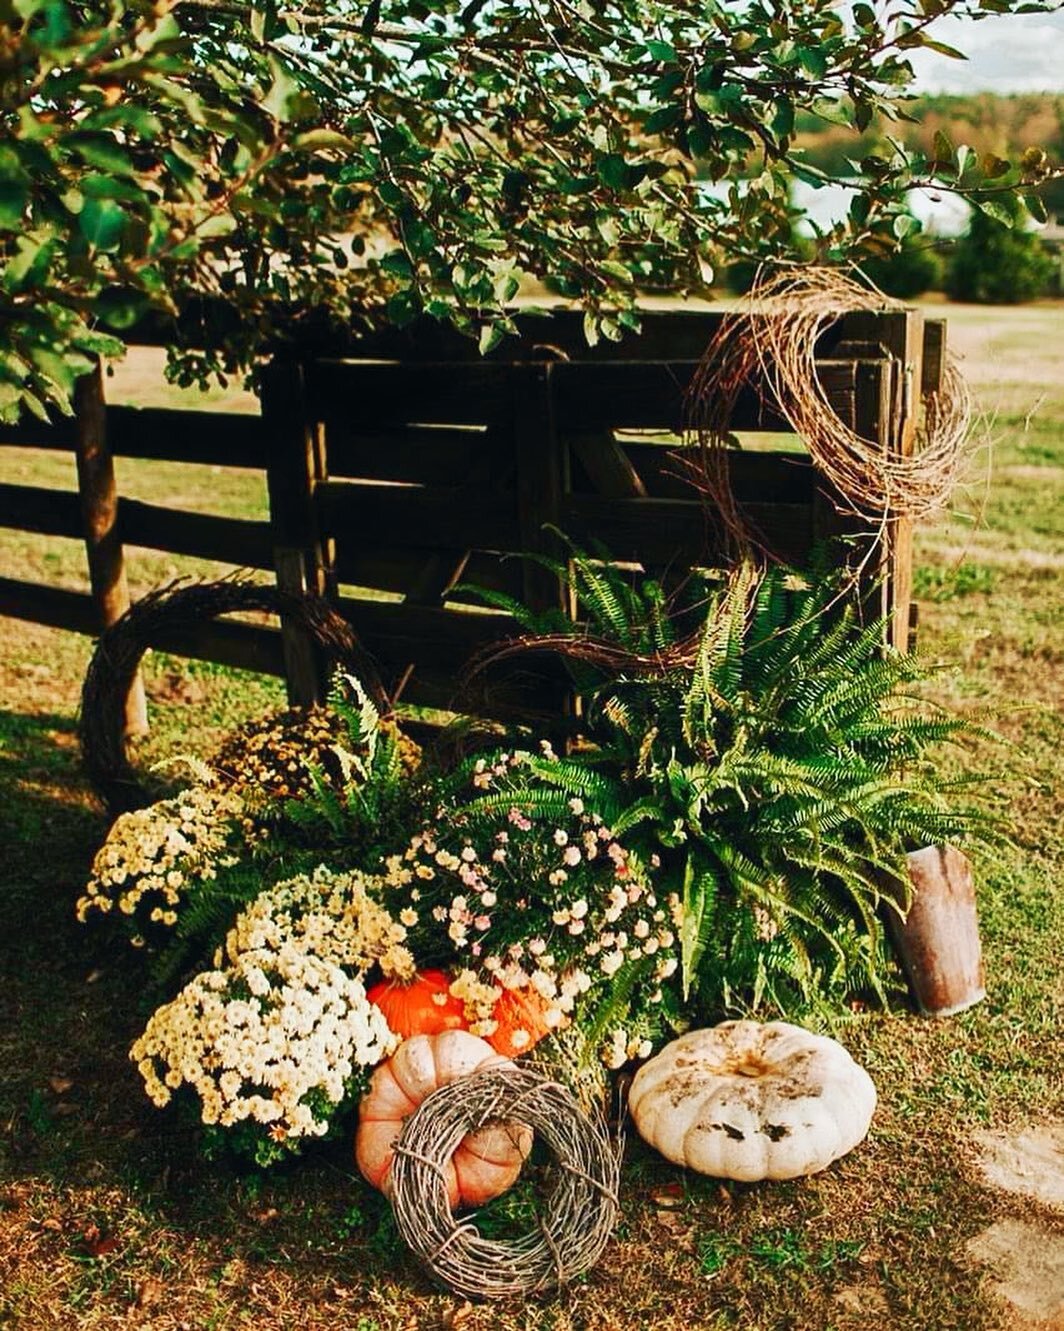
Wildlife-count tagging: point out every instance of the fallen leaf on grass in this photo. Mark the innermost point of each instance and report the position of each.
(96, 1245)
(148, 1292)
(266, 1217)
(56, 1226)
(454, 1318)
(60, 1084)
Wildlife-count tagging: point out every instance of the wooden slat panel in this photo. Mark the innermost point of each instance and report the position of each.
(35, 508)
(650, 395)
(784, 478)
(421, 456)
(393, 570)
(419, 518)
(397, 634)
(370, 394)
(54, 606)
(559, 335)
(671, 531)
(218, 439)
(238, 541)
(934, 359)
(526, 699)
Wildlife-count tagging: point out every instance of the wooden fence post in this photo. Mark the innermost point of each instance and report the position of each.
(294, 465)
(900, 335)
(99, 509)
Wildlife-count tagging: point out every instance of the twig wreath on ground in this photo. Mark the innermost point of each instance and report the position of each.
(177, 608)
(581, 1191)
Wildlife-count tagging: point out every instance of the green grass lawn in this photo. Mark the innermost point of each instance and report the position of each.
(108, 1217)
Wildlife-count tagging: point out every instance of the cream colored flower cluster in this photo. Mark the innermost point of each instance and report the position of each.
(153, 856)
(256, 1040)
(332, 915)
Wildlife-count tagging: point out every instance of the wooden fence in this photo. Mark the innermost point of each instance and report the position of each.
(403, 465)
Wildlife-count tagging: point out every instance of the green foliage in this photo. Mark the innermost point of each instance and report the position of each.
(999, 261)
(775, 764)
(909, 270)
(318, 163)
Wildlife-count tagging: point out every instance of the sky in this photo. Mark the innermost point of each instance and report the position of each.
(1006, 53)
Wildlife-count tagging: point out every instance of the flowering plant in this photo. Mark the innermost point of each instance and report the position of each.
(529, 891)
(333, 916)
(154, 858)
(274, 1042)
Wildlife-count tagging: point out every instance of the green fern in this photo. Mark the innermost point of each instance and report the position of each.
(776, 763)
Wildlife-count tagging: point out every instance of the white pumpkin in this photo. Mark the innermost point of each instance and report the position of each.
(752, 1100)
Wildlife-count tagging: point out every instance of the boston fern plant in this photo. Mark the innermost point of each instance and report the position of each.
(764, 750)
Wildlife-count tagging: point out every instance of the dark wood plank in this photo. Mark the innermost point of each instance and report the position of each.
(31, 433)
(412, 517)
(239, 541)
(159, 434)
(398, 634)
(423, 455)
(360, 395)
(54, 606)
(935, 353)
(671, 532)
(295, 463)
(756, 477)
(175, 435)
(242, 646)
(35, 508)
(395, 570)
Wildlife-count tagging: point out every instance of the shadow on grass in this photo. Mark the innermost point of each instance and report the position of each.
(73, 998)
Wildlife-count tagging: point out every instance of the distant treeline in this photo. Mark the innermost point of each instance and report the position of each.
(987, 122)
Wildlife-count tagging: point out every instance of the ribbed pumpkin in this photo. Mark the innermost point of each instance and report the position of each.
(421, 1006)
(486, 1163)
(519, 1016)
(750, 1100)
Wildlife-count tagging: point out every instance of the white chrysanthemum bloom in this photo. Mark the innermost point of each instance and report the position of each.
(260, 1058)
(332, 915)
(154, 855)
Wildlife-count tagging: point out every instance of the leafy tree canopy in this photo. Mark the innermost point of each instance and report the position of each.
(403, 157)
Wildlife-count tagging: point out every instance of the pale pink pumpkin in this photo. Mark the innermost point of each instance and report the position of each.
(486, 1163)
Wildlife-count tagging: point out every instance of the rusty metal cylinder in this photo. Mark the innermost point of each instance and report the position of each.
(938, 943)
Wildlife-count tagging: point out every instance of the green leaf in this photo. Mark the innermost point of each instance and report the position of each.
(996, 210)
(283, 93)
(662, 51)
(102, 152)
(1036, 207)
(903, 224)
(490, 337)
(613, 171)
(813, 60)
(102, 223)
(663, 118)
(14, 197)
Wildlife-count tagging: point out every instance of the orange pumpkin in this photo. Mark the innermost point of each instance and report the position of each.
(421, 1006)
(487, 1161)
(520, 1021)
